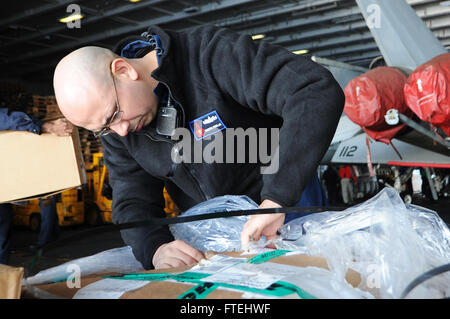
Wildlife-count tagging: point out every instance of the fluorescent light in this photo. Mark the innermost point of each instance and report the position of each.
(300, 51)
(258, 36)
(191, 9)
(71, 18)
(134, 1)
(445, 3)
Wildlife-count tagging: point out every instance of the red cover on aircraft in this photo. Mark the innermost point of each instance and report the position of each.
(369, 96)
(427, 92)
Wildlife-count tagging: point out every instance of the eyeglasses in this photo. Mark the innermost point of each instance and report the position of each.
(115, 118)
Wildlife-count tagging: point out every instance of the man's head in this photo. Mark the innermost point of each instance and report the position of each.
(93, 83)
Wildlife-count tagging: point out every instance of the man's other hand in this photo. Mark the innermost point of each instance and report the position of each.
(176, 254)
(262, 225)
(60, 127)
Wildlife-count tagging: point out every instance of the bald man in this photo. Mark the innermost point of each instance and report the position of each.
(164, 80)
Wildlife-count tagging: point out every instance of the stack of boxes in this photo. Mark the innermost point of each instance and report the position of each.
(38, 106)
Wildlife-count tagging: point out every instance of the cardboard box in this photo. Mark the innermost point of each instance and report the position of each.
(169, 289)
(33, 165)
(10, 282)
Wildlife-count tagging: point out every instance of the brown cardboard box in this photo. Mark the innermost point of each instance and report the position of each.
(172, 290)
(32, 165)
(10, 282)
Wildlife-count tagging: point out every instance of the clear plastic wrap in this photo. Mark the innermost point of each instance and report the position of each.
(219, 234)
(387, 242)
(324, 284)
(117, 260)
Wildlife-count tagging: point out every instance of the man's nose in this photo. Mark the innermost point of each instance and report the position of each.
(121, 128)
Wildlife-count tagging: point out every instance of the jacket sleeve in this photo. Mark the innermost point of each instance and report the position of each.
(271, 80)
(136, 196)
(18, 121)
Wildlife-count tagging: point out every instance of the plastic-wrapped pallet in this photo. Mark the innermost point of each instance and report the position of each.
(387, 242)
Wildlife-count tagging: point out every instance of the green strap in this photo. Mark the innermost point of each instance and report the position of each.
(187, 277)
(262, 258)
(139, 276)
(277, 289)
(203, 289)
(199, 292)
(190, 277)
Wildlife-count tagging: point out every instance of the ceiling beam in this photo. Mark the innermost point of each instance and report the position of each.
(344, 15)
(271, 12)
(205, 9)
(318, 47)
(170, 13)
(370, 55)
(352, 15)
(339, 41)
(433, 11)
(298, 23)
(440, 22)
(94, 17)
(124, 9)
(303, 39)
(321, 35)
(39, 10)
(349, 49)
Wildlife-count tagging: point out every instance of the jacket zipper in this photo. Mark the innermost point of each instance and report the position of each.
(196, 181)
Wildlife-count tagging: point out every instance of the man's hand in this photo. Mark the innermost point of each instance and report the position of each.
(175, 254)
(60, 127)
(262, 225)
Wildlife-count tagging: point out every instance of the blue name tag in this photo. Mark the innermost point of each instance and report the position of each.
(206, 125)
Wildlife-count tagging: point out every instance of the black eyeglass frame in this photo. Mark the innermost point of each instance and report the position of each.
(115, 118)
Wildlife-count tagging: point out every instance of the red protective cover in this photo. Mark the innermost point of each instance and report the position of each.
(369, 96)
(427, 92)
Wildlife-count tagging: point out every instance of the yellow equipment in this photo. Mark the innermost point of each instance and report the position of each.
(170, 208)
(99, 199)
(69, 207)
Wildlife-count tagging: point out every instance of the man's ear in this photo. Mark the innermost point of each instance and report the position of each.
(121, 67)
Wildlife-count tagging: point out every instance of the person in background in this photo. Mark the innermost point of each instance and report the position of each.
(19, 121)
(346, 174)
(331, 179)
